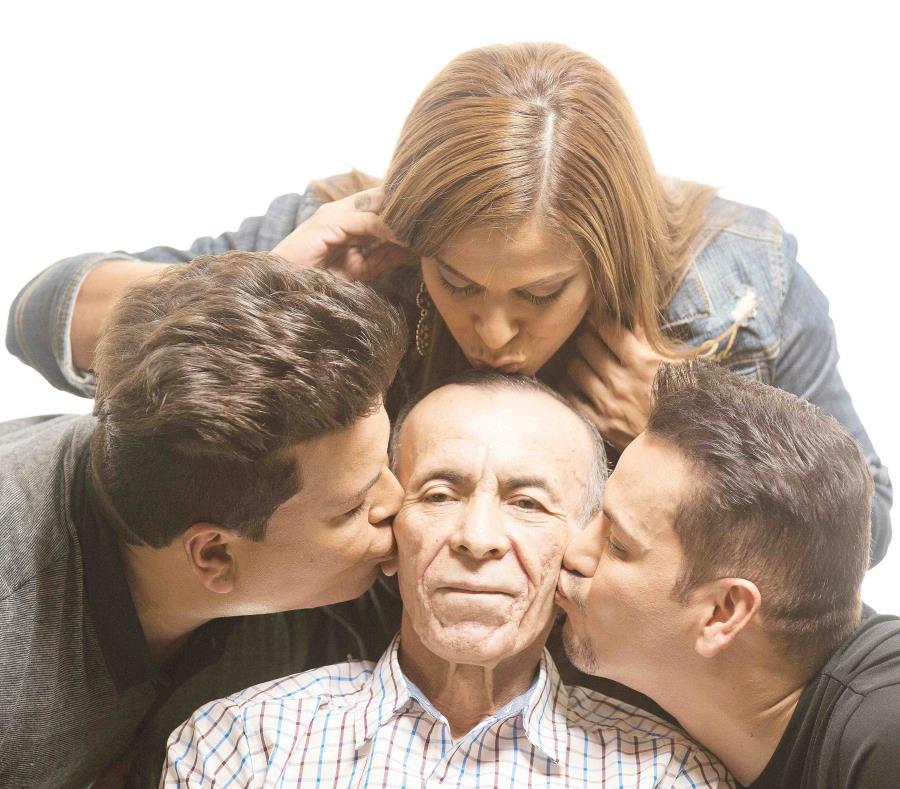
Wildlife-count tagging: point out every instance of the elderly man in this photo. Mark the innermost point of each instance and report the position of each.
(734, 539)
(497, 472)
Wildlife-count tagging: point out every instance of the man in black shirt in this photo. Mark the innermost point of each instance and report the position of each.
(845, 730)
(723, 580)
(236, 464)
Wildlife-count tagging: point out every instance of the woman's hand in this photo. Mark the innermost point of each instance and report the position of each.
(610, 379)
(347, 237)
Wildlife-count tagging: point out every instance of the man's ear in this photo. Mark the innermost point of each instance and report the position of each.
(208, 547)
(727, 605)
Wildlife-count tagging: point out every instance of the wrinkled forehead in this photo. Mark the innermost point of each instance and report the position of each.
(472, 430)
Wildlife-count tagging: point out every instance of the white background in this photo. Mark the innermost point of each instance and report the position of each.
(126, 125)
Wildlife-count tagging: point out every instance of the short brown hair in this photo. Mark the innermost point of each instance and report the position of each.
(207, 376)
(783, 498)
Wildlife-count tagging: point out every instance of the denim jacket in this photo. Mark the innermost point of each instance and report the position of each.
(743, 298)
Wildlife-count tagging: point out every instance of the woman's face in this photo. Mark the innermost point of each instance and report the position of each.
(510, 298)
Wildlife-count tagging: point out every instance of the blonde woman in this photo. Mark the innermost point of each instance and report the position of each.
(522, 226)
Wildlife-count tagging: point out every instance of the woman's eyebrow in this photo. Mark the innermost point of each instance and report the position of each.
(445, 264)
(550, 279)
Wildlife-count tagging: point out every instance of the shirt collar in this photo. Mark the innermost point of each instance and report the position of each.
(106, 589)
(543, 707)
(386, 692)
(508, 710)
(544, 717)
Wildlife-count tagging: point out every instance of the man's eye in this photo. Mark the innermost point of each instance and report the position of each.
(529, 505)
(438, 497)
(350, 514)
(615, 549)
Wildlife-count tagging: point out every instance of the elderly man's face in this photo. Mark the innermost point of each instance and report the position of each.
(494, 480)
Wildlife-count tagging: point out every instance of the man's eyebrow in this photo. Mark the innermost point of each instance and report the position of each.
(617, 524)
(362, 491)
(441, 472)
(551, 279)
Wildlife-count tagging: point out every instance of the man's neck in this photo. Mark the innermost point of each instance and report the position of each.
(738, 713)
(466, 694)
(163, 597)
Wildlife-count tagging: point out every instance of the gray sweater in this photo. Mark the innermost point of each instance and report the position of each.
(77, 687)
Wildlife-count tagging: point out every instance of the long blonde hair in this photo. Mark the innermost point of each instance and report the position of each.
(509, 134)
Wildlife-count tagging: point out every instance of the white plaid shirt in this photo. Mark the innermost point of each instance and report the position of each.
(356, 724)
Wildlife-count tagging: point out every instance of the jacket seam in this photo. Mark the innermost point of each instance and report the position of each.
(21, 334)
(767, 354)
(750, 235)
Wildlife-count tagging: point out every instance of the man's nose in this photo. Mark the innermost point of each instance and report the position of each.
(583, 551)
(495, 328)
(481, 533)
(387, 497)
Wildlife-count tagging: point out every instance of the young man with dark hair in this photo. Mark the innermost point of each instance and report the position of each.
(235, 464)
(723, 580)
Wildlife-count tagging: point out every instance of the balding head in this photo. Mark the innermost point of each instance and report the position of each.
(497, 473)
(554, 414)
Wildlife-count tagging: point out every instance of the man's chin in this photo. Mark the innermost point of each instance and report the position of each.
(580, 651)
(474, 643)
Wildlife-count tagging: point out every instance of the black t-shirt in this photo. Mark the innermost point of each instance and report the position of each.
(845, 731)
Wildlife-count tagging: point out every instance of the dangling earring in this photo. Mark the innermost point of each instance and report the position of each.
(423, 327)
